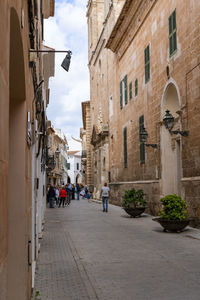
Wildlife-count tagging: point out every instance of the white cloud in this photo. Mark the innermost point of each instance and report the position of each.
(68, 30)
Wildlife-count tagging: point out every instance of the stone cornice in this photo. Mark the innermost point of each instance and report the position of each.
(130, 20)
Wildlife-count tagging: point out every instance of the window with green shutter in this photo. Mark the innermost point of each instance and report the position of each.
(121, 95)
(68, 166)
(172, 33)
(130, 91)
(147, 63)
(142, 145)
(125, 147)
(125, 89)
(136, 87)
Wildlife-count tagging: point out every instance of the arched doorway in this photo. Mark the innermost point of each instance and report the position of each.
(169, 143)
(78, 178)
(17, 223)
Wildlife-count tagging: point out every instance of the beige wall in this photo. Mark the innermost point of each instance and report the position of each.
(16, 100)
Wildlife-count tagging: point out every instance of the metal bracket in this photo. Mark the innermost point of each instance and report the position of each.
(183, 133)
(155, 146)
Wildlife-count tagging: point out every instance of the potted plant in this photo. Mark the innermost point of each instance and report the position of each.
(133, 202)
(173, 215)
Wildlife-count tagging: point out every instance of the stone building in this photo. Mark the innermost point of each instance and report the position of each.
(85, 135)
(23, 98)
(144, 70)
(57, 172)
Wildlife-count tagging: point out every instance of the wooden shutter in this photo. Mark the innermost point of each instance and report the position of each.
(130, 91)
(121, 95)
(125, 89)
(147, 63)
(136, 87)
(125, 147)
(172, 33)
(142, 145)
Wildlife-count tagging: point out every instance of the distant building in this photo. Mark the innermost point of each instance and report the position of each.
(57, 172)
(74, 167)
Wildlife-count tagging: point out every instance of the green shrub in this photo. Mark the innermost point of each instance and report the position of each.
(174, 208)
(133, 198)
(37, 295)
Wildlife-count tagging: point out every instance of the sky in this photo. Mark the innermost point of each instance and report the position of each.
(67, 30)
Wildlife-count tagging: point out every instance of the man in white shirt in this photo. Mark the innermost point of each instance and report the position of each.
(105, 193)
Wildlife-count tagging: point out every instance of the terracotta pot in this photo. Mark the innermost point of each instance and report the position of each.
(172, 225)
(134, 212)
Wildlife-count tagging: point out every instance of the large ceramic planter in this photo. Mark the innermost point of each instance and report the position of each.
(134, 211)
(172, 225)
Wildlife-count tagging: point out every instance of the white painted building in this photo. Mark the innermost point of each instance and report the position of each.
(74, 166)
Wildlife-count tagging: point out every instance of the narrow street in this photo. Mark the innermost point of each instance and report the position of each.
(88, 254)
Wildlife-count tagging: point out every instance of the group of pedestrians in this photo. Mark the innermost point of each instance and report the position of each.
(63, 195)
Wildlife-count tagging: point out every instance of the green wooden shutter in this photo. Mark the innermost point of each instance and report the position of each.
(147, 63)
(136, 87)
(130, 91)
(172, 33)
(125, 89)
(142, 145)
(125, 147)
(121, 95)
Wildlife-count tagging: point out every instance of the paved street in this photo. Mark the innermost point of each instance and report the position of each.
(88, 254)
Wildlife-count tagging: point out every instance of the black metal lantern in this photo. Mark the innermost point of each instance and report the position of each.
(143, 135)
(66, 62)
(168, 120)
(57, 153)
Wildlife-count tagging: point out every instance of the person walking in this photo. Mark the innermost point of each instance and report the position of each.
(86, 191)
(77, 191)
(68, 190)
(51, 196)
(57, 195)
(105, 193)
(63, 195)
(73, 192)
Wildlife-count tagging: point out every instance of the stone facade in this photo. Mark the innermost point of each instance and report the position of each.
(57, 172)
(22, 114)
(131, 99)
(85, 134)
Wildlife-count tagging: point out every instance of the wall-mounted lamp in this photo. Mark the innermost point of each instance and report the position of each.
(66, 62)
(143, 139)
(57, 153)
(169, 124)
(168, 120)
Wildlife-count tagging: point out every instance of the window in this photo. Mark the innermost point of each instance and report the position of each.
(142, 145)
(136, 87)
(130, 91)
(125, 147)
(172, 33)
(147, 63)
(123, 92)
(77, 166)
(68, 166)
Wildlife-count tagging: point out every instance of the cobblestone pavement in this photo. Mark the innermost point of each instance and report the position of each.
(88, 254)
